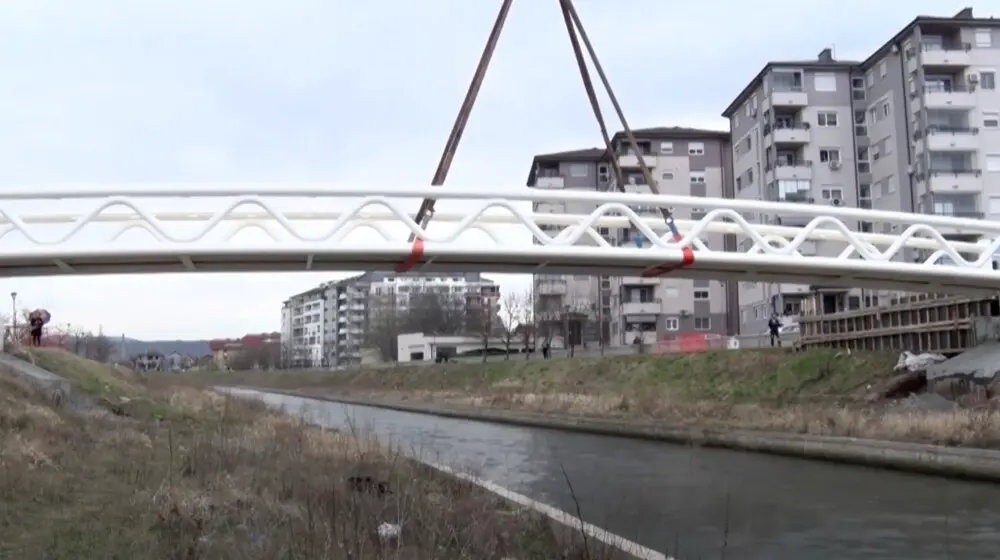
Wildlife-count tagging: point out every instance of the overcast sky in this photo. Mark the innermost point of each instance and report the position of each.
(340, 91)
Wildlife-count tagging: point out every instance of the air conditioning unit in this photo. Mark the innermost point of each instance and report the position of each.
(836, 202)
(835, 165)
(973, 78)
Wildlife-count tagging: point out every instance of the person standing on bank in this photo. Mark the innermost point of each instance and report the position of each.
(774, 325)
(35, 323)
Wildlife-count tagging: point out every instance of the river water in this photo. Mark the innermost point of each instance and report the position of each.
(695, 502)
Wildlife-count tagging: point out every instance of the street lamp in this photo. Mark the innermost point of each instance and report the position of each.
(13, 315)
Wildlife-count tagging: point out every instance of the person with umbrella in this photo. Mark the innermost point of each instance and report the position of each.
(36, 321)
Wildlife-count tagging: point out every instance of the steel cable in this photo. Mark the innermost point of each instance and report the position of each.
(577, 33)
(451, 146)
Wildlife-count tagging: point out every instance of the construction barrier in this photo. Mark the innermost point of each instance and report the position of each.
(686, 343)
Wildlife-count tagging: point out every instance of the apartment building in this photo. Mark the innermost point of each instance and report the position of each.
(326, 326)
(912, 128)
(793, 140)
(684, 161)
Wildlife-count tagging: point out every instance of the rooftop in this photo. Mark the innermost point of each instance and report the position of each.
(589, 155)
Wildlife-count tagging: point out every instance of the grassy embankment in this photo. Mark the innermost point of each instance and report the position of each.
(816, 392)
(186, 473)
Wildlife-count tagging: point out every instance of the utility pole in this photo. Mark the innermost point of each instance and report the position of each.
(13, 316)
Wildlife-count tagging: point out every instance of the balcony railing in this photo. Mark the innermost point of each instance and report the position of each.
(796, 196)
(956, 171)
(961, 213)
(933, 87)
(785, 126)
(937, 47)
(786, 88)
(789, 163)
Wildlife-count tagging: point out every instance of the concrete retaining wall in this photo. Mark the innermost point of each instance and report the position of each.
(976, 464)
(54, 386)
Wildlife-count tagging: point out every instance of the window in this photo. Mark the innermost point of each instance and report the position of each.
(666, 147)
(698, 177)
(858, 83)
(833, 193)
(994, 205)
(870, 78)
(827, 155)
(825, 82)
(993, 163)
(701, 294)
(826, 118)
(702, 323)
(696, 148)
(698, 213)
(667, 176)
(884, 110)
(984, 38)
(883, 68)
(578, 169)
(987, 79)
(991, 120)
(890, 184)
(671, 324)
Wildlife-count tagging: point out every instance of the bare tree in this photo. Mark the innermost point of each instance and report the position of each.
(515, 318)
(256, 356)
(383, 327)
(92, 346)
(485, 320)
(435, 313)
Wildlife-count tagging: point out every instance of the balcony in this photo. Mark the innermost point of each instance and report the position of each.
(936, 56)
(551, 288)
(551, 182)
(787, 134)
(791, 97)
(790, 170)
(642, 307)
(640, 281)
(629, 161)
(945, 96)
(952, 139)
(954, 180)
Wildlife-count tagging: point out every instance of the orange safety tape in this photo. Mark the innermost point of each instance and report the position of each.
(416, 253)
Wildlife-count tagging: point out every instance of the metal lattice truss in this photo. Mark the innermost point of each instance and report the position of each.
(370, 231)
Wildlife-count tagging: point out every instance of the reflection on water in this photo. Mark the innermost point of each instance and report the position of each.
(659, 495)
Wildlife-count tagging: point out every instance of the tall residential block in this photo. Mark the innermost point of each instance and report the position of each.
(327, 325)
(915, 127)
(684, 161)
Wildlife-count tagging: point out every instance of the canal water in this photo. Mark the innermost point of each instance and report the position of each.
(693, 502)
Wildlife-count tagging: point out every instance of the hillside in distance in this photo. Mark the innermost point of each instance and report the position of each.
(132, 347)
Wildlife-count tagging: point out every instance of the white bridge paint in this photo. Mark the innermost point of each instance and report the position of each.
(367, 229)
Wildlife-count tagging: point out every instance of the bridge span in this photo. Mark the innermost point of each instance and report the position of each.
(323, 228)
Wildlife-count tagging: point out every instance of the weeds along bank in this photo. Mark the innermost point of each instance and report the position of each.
(819, 392)
(187, 473)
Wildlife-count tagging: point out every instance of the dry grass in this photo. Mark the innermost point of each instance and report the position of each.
(208, 477)
(816, 392)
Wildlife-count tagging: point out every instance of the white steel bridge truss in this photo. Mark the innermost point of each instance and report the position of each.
(916, 257)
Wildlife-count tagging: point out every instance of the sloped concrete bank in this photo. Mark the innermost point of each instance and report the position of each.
(56, 387)
(954, 462)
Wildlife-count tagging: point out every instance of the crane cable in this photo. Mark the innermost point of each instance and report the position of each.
(426, 210)
(577, 33)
